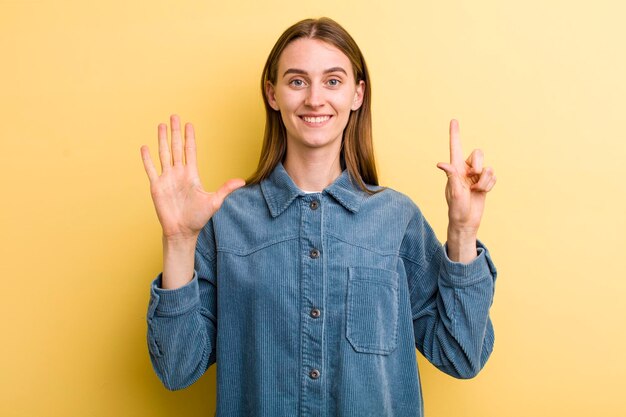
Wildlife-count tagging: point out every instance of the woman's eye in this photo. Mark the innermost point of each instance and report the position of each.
(297, 83)
(333, 82)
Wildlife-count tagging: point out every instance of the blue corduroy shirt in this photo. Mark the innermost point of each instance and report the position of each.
(312, 304)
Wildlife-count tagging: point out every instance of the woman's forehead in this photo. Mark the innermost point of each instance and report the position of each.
(312, 56)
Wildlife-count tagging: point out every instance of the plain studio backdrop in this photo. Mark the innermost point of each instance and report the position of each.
(539, 85)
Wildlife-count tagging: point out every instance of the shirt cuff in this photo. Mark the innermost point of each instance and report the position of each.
(168, 302)
(463, 274)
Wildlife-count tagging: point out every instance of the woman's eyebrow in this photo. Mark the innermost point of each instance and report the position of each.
(303, 72)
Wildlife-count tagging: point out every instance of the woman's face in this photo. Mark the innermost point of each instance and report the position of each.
(315, 92)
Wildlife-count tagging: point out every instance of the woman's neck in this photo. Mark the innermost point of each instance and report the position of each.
(312, 170)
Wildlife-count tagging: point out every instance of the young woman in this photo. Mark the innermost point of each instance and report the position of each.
(312, 286)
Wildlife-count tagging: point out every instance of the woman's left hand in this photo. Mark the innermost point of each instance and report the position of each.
(467, 187)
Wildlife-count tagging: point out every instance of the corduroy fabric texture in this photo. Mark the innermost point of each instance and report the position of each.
(313, 305)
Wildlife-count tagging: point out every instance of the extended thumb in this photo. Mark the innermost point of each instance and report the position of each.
(447, 168)
(227, 188)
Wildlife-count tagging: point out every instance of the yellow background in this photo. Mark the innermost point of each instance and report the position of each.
(539, 85)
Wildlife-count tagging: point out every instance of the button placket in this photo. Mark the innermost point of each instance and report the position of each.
(312, 283)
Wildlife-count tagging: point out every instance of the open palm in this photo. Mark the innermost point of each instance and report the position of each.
(182, 205)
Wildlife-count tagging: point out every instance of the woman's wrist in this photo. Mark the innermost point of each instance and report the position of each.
(178, 262)
(461, 245)
(179, 241)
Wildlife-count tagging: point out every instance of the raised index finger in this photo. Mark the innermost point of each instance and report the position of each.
(456, 152)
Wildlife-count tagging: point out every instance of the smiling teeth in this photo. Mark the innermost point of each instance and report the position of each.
(315, 119)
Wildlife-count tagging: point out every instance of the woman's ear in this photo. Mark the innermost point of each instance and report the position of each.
(270, 94)
(358, 95)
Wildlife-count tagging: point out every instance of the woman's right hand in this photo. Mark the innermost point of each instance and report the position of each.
(182, 205)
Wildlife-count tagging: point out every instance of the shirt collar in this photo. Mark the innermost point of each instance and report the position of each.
(279, 191)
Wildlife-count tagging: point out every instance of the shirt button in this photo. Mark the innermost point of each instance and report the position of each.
(314, 253)
(314, 204)
(315, 313)
(314, 374)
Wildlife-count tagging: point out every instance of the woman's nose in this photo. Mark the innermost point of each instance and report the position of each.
(314, 96)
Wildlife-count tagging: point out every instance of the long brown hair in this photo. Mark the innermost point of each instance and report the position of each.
(357, 152)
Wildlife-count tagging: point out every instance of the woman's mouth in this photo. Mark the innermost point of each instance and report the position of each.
(315, 120)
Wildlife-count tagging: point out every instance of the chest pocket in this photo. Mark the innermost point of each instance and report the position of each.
(372, 310)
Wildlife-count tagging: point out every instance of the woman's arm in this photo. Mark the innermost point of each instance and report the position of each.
(182, 313)
(452, 286)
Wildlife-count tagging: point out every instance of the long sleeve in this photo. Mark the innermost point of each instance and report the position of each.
(450, 302)
(182, 323)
